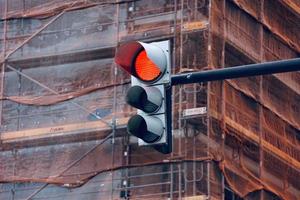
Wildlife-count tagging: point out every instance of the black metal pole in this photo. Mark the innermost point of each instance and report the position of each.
(238, 72)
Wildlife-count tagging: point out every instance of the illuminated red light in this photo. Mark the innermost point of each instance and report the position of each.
(145, 69)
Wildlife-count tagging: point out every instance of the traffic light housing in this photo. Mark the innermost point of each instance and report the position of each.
(150, 91)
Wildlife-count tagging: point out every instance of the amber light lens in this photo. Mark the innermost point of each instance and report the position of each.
(145, 69)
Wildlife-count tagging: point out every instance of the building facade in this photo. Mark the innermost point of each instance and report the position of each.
(63, 115)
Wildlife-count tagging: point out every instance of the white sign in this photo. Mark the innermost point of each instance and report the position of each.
(194, 111)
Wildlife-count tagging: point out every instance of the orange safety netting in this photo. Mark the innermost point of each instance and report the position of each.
(63, 113)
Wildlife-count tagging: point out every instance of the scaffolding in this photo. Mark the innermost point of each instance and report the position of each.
(63, 114)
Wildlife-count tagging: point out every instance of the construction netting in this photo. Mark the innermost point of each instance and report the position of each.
(63, 115)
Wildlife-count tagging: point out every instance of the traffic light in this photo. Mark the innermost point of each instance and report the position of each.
(150, 91)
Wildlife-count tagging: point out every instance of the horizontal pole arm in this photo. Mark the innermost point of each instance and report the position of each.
(238, 72)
